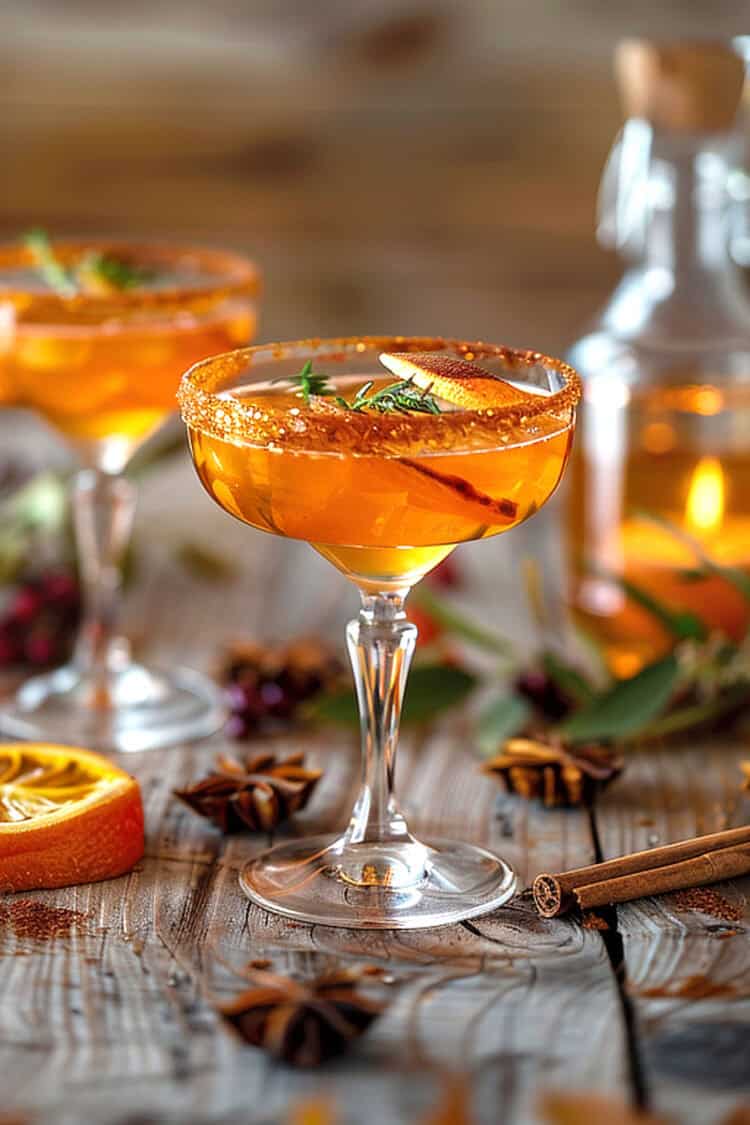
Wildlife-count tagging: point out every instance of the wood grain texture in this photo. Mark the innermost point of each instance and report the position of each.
(432, 175)
(694, 1050)
(117, 1019)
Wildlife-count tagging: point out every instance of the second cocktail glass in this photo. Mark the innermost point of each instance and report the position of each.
(100, 361)
(383, 476)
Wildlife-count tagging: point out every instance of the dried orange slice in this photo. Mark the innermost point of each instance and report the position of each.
(455, 380)
(66, 816)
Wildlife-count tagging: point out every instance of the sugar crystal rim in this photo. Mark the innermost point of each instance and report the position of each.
(321, 427)
(230, 274)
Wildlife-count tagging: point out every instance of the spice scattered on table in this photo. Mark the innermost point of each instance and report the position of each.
(28, 918)
(257, 793)
(593, 921)
(695, 987)
(706, 900)
(557, 774)
(303, 1023)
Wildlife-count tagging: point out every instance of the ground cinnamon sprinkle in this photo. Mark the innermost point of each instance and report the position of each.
(28, 918)
(695, 987)
(707, 901)
(593, 921)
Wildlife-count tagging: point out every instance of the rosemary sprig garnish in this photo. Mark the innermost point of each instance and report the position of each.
(402, 397)
(397, 398)
(311, 383)
(48, 264)
(93, 271)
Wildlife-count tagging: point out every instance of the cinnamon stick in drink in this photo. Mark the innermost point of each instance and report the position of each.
(688, 863)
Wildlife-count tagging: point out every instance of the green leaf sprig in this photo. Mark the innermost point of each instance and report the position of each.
(397, 398)
(402, 397)
(94, 269)
(311, 383)
(430, 690)
(48, 265)
(115, 273)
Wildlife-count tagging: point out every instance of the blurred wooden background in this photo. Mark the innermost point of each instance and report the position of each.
(399, 165)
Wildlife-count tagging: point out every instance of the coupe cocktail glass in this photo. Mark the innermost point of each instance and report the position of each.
(102, 366)
(384, 497)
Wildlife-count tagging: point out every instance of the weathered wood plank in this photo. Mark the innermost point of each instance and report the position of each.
(694, 1050)
(118, 1009)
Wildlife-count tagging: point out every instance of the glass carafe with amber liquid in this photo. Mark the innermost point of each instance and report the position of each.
(661, 476)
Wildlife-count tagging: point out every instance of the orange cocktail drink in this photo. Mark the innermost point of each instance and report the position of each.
(94, 337)
(383, 454)
(102, 364)
(385, 497)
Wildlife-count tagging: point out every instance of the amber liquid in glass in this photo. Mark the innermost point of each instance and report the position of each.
(378, 517)
(92, 384)
(680, 454)
(102, 378)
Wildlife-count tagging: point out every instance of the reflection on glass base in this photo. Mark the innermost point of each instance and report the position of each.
(137, 709)
(311, 880)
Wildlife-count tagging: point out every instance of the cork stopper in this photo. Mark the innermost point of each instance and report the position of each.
(683, 87)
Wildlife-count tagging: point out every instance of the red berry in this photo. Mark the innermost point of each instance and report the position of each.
(245, 700)
(237, 726)
(42, 648)
(60, 588)
(10, 652)
(543, 693)
(446, 573)
(25, 604)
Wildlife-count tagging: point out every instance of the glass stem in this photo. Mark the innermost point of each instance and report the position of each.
(103, 509)
(381, 644)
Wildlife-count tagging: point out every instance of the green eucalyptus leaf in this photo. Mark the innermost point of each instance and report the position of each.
(505, 717)
(699, 714)
(628, 707)
(430, 690)
(453, 621)
(202, 562)
(571, 682)
(680, 623)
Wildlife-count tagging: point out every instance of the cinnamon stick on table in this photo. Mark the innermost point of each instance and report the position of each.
(688, 863)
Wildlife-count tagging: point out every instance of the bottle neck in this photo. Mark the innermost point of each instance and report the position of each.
(687, 229)
(685, 292)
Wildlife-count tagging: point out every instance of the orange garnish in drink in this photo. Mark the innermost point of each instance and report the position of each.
(66, 816)
(453, 379)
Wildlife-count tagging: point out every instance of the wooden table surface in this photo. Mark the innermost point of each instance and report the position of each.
(113, 1021)
(449, 189)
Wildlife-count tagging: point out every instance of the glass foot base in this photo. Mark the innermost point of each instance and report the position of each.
(362, 886)
(139, 709)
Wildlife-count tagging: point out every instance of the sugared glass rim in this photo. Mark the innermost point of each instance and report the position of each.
(231, 274)
(318, 427)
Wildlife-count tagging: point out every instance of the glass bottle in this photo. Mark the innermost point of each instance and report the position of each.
(660, 486)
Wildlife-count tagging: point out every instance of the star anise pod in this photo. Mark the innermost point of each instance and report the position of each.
(556, 773)
(303, 1022)
(258, 793)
